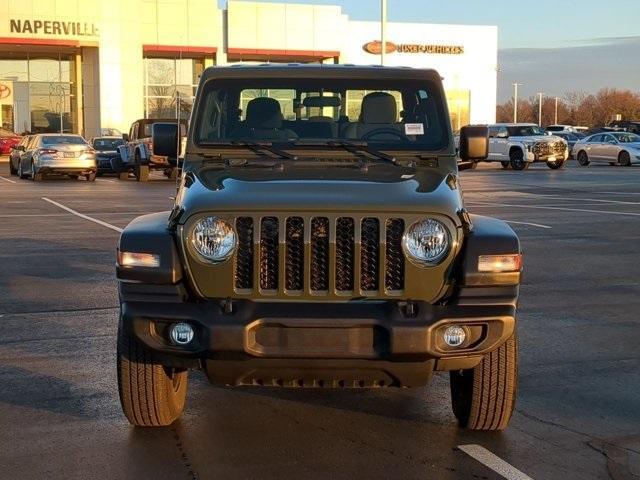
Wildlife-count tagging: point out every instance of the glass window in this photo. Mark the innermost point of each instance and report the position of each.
(62, 139)
(170, 83)
(104, 144)
(383, 112)
(596, 139)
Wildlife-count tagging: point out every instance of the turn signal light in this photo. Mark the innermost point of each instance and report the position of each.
(500, 263)
(135, 259)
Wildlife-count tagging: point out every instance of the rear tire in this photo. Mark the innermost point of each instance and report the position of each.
(505, 165)
(151, 395)
(91, 177)
(583, 159)
(483, 398)
(35, 176)
(12, 171)
(141, 172)
(516, 160)
(624, 159)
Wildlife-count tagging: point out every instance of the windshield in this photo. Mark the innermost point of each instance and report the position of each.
(103, 144)
(63, 139)
(525, 131)
(387, 114)
(627, 137)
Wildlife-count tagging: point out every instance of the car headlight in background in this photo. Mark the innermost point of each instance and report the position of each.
(214, 239)
(427, 242)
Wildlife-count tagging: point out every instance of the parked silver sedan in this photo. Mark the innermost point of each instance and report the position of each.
(62, 154)
(614, 148)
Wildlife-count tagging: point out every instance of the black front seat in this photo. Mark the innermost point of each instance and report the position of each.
(379, 110)
(263, 122)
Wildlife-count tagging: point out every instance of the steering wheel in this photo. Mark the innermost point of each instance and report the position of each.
(385, 131)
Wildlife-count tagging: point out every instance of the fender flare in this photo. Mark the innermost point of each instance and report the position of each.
(150, 234)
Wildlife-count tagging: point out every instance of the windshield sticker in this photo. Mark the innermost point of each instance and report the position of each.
(414, 129)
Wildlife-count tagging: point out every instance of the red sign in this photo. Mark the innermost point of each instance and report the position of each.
(5, 91)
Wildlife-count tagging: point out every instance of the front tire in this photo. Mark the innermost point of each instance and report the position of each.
(624, 159)
(516, 160)
(21, 174)
(505, 165)
(557, 165)
(12, 171)
(583, 159)
(483, 398)
(91, 177)
(151, 395)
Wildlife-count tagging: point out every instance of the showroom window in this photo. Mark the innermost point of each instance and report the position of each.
(42, 94)
(169, 82)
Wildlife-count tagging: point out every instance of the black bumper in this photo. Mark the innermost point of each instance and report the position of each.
(360, 343)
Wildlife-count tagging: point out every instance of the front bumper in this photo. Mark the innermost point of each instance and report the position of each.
(360, 343)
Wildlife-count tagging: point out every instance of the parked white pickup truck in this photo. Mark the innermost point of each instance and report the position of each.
(518, 145)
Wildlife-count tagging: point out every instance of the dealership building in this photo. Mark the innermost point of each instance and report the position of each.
(80, 66)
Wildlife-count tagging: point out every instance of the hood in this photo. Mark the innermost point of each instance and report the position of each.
(539, 138)
(382, 188)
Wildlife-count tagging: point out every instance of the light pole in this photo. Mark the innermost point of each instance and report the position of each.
(556, 115)
(383, 30)
(540, 94)
(515, 101)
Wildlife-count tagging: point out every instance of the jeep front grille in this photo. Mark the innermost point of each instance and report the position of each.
(320, 256)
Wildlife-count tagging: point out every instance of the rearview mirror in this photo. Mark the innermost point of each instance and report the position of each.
(474, 143)
(165, 139)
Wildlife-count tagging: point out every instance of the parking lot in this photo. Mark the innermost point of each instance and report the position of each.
(577, 415)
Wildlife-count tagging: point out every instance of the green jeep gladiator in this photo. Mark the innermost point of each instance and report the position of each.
(319, 238)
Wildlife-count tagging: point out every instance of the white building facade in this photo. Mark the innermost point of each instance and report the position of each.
(80, 66)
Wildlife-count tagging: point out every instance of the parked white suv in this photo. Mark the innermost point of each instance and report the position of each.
(518, 145)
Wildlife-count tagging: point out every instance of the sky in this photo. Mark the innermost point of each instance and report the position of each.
(554, 45)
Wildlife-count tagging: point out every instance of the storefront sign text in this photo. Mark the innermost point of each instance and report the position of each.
(53, 27)
(375, 48)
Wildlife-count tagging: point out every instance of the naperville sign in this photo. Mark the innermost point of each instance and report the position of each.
(53, 27)
(375, 48)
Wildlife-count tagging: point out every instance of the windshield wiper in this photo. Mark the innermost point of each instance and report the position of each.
(256, 147)
(356, 147)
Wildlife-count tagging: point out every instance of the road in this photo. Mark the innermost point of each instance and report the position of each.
(578, 410)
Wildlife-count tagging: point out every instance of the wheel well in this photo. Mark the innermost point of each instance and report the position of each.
(515, 149)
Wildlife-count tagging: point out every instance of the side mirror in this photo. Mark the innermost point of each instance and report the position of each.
(165, 139)
(474, 143)
(19, 148)
(125, 137)
(504, 135)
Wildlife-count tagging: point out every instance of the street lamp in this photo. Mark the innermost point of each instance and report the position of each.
(515, 101)
(383, 30)
(540, 94)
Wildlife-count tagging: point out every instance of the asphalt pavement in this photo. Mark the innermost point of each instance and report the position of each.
(578, 410)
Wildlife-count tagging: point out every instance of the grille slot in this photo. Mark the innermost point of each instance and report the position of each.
(345, 253)
(369, 254)
(295, 254)
(319, 254)
(244, 257)
(269, 255)
(394, 258)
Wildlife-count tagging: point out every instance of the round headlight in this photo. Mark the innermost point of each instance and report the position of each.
(427, 242)
(214, 239)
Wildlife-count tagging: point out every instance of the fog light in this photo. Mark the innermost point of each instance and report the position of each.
(454, 336)
(181, 333)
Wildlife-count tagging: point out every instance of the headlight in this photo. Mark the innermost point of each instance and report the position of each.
(427, 242)
(214, 239)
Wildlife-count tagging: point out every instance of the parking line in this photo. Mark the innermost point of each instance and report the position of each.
(495, 463)
(7, 180)
(539, 225)
(86, 217)
(539, 207)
